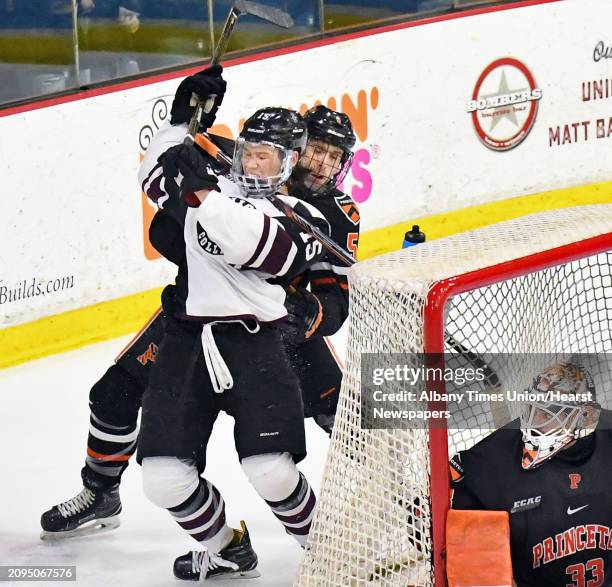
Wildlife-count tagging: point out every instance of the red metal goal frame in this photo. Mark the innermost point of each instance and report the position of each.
(434, 343)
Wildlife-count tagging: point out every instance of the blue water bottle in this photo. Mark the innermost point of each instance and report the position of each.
(413, 237)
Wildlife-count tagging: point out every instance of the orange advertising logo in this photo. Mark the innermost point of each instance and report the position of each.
(358, 183)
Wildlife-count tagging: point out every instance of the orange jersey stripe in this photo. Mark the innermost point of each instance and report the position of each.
(327, 392)
(324, 281)
(98, 455)
(455, 475)
(317, 322)
(330, 281)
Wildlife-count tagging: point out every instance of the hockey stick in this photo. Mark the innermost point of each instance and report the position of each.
(491, 377)
(272, 15)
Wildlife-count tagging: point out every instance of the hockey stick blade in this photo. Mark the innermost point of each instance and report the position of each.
(273, 15)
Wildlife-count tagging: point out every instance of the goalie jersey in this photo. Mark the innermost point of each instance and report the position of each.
(560, 513)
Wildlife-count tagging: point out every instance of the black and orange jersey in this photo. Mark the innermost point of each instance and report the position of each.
(327, 279)
(560, 512)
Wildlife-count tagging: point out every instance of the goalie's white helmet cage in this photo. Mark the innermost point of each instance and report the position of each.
(537, 284)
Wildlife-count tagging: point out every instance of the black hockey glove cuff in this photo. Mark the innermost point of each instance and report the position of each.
(305, 314)
(192, 165)
(204, 84)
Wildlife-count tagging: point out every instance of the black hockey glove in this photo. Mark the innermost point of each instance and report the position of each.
(197, 174)
(305, 314)
(203, 84)
(325, 421)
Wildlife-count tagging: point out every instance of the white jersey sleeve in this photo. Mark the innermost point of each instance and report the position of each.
(150, 173)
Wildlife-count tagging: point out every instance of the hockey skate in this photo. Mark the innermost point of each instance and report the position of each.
(90, 512)
(236, 561)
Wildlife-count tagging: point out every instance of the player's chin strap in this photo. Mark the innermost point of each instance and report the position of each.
(220, 375)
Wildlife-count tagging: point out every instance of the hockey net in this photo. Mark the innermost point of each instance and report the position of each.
(541, 283)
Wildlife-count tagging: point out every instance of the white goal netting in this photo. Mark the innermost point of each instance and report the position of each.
(538, 284)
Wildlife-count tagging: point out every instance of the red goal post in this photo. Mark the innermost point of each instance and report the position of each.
(540, 283)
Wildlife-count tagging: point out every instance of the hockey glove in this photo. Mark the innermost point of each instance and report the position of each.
(305, 314)
(192, 165)
(325, 421)
(205, 83)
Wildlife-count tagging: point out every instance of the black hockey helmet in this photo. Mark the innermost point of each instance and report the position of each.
(330, 127)
(280, 129)
(326, 127)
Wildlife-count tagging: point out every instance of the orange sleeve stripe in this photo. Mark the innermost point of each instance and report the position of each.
(455, 475)
(317, 322)
(330, 281)
(98, 455)
(327, 392)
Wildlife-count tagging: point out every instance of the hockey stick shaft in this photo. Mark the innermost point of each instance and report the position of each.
(491, 377)
(202, 106)
(239, 7)
(326, 242)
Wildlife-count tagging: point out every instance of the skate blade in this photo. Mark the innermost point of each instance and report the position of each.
(94, 527)
(238, 575)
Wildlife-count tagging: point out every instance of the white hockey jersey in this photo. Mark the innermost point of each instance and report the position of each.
(235, 245)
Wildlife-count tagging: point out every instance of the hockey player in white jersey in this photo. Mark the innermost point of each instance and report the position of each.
(115, 399)
(241, 252)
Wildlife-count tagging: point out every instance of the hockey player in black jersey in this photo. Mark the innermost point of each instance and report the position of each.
(553, 477)
(321, 293)
(115, 399)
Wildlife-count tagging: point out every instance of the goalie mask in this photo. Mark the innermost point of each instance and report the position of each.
(328, 155)
(267, 150)
(565, 410)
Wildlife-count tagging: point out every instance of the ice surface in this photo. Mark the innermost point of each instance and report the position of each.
(44, 419)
